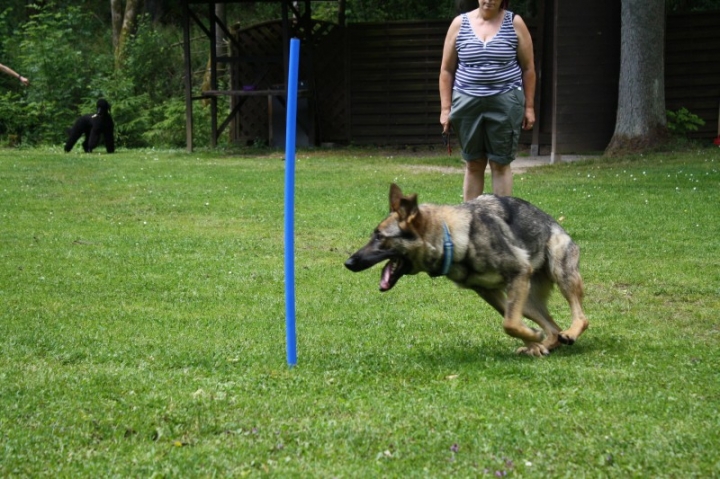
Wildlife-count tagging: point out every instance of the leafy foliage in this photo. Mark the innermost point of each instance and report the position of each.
(68, 57)
(682, 122)
(149, 81)
(61, 56)
(679, 6)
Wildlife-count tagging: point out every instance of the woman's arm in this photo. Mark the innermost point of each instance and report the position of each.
(13, 73)
(447, 73)
(527, 64)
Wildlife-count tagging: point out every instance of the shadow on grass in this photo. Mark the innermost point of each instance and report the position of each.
(448, 355)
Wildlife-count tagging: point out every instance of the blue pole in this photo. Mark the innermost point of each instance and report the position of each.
(292, 90)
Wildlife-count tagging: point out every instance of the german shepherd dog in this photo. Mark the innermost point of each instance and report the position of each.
(505, 249)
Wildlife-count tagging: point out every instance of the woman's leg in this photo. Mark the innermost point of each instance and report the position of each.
(502, 179)
(474, 181)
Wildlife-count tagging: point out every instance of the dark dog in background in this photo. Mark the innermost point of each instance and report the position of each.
(93, 126)
(505, 249)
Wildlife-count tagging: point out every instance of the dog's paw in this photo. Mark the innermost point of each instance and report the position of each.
(535, 350)
(552, 342)
(566, 339)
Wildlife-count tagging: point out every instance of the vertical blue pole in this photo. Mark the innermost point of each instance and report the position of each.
(290, 130)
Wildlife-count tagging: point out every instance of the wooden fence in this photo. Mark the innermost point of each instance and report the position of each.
(393, 71)
(378, 83)
(692, 67)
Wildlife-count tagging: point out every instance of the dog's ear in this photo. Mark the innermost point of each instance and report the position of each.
(395, 197)
(406, 207)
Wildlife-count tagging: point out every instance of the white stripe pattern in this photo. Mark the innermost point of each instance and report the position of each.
(490, 68)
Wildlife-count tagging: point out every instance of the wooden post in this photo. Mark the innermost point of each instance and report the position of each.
(213, 75)
(234, 68)
(540, 34)
(188, 78)
(553, 153)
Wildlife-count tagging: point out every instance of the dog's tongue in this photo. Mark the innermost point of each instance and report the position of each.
(385, 277)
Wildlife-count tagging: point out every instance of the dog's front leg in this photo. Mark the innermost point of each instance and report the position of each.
(517, 294)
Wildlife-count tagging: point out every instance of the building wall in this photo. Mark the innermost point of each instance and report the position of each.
(378, 83)
(393, 71)
(586, 73)
(692, 67)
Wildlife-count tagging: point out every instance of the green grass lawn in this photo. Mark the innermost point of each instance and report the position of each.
(142, 324)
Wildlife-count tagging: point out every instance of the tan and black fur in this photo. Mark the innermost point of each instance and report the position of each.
(505, 249)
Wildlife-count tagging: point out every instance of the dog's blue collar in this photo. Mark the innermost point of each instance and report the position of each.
(447, 251)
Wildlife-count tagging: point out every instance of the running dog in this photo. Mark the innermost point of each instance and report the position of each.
(505, 249)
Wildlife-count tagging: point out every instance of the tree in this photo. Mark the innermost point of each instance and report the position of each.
(641, 120)
(123, 25)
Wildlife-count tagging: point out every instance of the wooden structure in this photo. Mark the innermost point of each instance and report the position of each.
(296, 23)
(377, 83)
(322, 102)
(583, 62)
(393, 73)
(692, 68)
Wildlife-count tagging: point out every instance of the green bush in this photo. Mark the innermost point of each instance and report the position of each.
(68, 56)
(682, 122)
(60, 55)
(147, 92)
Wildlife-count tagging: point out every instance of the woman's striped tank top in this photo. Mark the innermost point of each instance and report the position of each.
(490, 68)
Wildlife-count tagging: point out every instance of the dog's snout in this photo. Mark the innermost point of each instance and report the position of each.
(351, 263)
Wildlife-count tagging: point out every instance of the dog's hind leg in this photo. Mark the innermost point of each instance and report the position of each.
(573, 293)
(74, 135)
(565, 271)
(109, 134)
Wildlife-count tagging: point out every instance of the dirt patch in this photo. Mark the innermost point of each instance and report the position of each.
(520, 167)
(445, 170)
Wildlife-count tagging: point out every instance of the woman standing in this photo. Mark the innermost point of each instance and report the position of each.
(487, 91)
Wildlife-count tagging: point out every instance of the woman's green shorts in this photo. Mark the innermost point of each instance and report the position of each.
(488, 127)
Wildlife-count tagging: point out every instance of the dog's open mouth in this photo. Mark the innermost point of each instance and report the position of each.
(392, 272)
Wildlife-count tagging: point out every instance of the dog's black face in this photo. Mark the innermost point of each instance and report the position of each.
(103, 107)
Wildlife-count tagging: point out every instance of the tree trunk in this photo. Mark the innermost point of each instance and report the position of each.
(641, 120)
(220, 44)
(117, 14)
(123, 26)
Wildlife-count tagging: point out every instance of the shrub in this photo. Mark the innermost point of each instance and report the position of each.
(682, 122)
(60, 55)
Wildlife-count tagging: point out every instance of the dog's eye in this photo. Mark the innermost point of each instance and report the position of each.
(407, 235)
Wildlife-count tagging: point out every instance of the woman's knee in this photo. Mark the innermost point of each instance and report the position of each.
(476, 166)
(499, 168)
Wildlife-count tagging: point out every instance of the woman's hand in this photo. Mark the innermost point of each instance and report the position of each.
(445, 121)
(529, 119)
